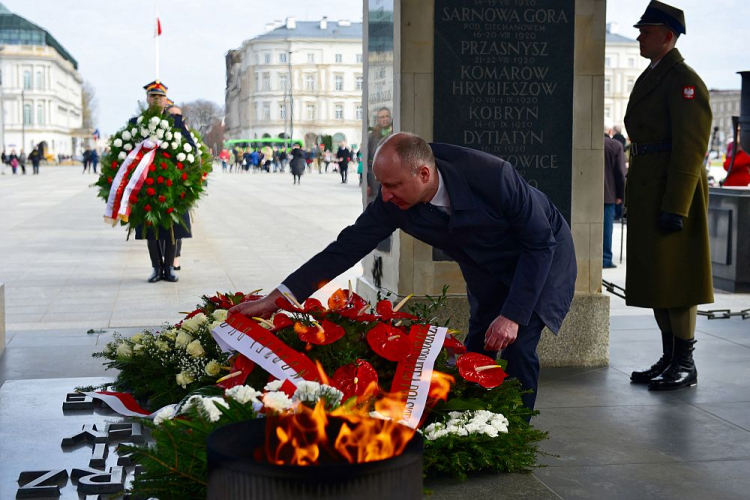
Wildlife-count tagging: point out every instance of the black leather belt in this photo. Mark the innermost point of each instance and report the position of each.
(645, 149)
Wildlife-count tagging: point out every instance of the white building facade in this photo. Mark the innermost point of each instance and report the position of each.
(301, 79)
(724, 105)
(623, 65)
(40, 90)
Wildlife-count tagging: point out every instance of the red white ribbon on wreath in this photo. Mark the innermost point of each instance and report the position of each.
(126, 185)
(125, 404)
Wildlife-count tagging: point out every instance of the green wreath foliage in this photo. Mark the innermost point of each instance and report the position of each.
(176, 179)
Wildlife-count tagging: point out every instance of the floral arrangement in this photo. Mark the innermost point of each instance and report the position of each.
(477, 424)
(156, 173)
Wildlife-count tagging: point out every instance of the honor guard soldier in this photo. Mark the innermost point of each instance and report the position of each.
(668, 120)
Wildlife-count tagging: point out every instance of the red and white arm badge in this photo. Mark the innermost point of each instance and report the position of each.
(688, 92)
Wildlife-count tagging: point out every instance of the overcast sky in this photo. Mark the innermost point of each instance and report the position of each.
(113, 40)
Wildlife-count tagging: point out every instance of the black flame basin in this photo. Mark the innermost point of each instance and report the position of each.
(235, 474)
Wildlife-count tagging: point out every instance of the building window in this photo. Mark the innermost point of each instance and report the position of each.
(631, 62)
(607, 86)
(282, 57)
(266, 81)
(607, 112)
(310, 57)
(267, 58)
(607, 62)
(310, 82)
(311, 112)
(339, 58)
(359, 113)
(359, 58)
(631, 82)
(283, 82)
(339, 82)
(257, 59)
(257, 82)
(339, 110)
(282, 111)
(39, 81)
(40, 115)
(360, 81)
(27, 114)
(27, 80)
(266, 111)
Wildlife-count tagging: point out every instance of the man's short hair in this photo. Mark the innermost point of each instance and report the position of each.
(412, 150)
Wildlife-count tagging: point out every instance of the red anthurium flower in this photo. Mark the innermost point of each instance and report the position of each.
(241, 365)
(281, 321)
(150, 191)
(147, 208)
(165, 154)
(184, 177)
(357, 379)
(453, 343)
(286, 305)
(389, 342)
(384, 308)
(343, 299)
(179, 166)
(481, 369)
(149, 181)
(170, 210)
(319, 334)
(162, 198)
(169, 182)
(160, 180)
(151, 168)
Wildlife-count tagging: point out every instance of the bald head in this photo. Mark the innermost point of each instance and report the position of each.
(411, 150)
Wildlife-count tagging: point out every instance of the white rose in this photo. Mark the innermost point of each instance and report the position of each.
(154, 120)
(195, 349)
(140, 119)
(198, 145)
(174, 145)
(134, 132)
(124, 350)
(144, 132)
(163, 346)
(178, 136)
(160, 134)
(137, 348)
(183, 379)
(117, 142)
(164, 145)
(243, 394)
(273, 386)
(192, 324)
(187, 147)
(164, 124)
(213, 326)
(220, 314)
(182, 339)
(171, 334)
(168, 135)
(181, 157)
(127, 147)
(126, 135)
(212, 368)
(137, 337)
(122, 155)
(190, 158)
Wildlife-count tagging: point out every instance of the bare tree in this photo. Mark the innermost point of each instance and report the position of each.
(202, 115)
(215, 137)
(88, 105)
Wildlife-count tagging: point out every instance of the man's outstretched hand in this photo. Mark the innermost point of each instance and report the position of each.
(261, 308)
(501, 333)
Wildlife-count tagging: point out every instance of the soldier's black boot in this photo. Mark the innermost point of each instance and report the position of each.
(169, 274)
(681, 371)
(645, 376)
(156, 275)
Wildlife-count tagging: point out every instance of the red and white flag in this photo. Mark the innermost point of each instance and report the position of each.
(157, 32)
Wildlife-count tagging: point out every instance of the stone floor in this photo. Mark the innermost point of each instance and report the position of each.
(71, 282)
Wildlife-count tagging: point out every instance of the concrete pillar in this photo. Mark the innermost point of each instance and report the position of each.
(2, 317)
(410, 266)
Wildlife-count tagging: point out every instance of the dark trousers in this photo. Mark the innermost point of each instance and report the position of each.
(523, 361)
(36, 167)
(344, 172)
(162, 253)
(609, 221)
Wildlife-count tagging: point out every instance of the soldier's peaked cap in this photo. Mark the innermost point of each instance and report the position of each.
(156, 88)
(661, 14)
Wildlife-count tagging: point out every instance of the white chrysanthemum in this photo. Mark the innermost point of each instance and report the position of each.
(273, 386)
(140, 119)
(190, 158)
(183, 379)
(181, 157)
(220, 314)
(277, 401)
(192, 324)
(164, 145)
(160, 133)
(193, 401)
(117, 142)
(124, 350)
(183, 339)
(164, 124)
(122, 155)
(244, 394)
(187, 147)
(127, 147)
(174, 146)
(195, 349)
(134, 131)
(177, 136)
(212, 368)
(307, 391)
(154, 120)
(211, 406)
(144, 132)
(166, 413)
(168, 135)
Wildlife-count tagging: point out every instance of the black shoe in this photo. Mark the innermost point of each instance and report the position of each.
(169, 275)
(177, 268)
(681, 372)
(645, 376)
(156, 275)
(609, 266)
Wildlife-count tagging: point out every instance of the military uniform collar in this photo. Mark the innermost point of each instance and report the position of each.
(651, 78)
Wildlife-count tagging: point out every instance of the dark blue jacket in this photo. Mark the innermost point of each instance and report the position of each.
(514, 247)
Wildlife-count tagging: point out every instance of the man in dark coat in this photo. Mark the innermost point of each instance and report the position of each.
(343, 157)
(514, 247)
(614, 192)
(669, 262)
(162, 249)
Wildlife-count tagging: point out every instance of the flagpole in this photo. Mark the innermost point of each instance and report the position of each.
(156, 42)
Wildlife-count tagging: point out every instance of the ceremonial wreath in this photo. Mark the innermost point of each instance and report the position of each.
(151, 173)
(347, 357)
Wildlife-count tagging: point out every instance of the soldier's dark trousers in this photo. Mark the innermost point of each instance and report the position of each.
(523, 361)
(162, 253)
(680, 321)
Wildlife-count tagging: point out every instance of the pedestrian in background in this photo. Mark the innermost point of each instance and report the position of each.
(35, 158)
(614, 191)
(669, 262)
(94, 159)
(343, 157)
(297, 164)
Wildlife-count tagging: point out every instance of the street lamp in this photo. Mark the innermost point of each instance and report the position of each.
(23, 119)
(291, 99)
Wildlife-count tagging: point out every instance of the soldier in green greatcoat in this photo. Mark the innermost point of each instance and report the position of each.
(668, 259)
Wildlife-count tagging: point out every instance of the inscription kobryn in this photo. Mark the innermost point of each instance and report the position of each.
(504, 85)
